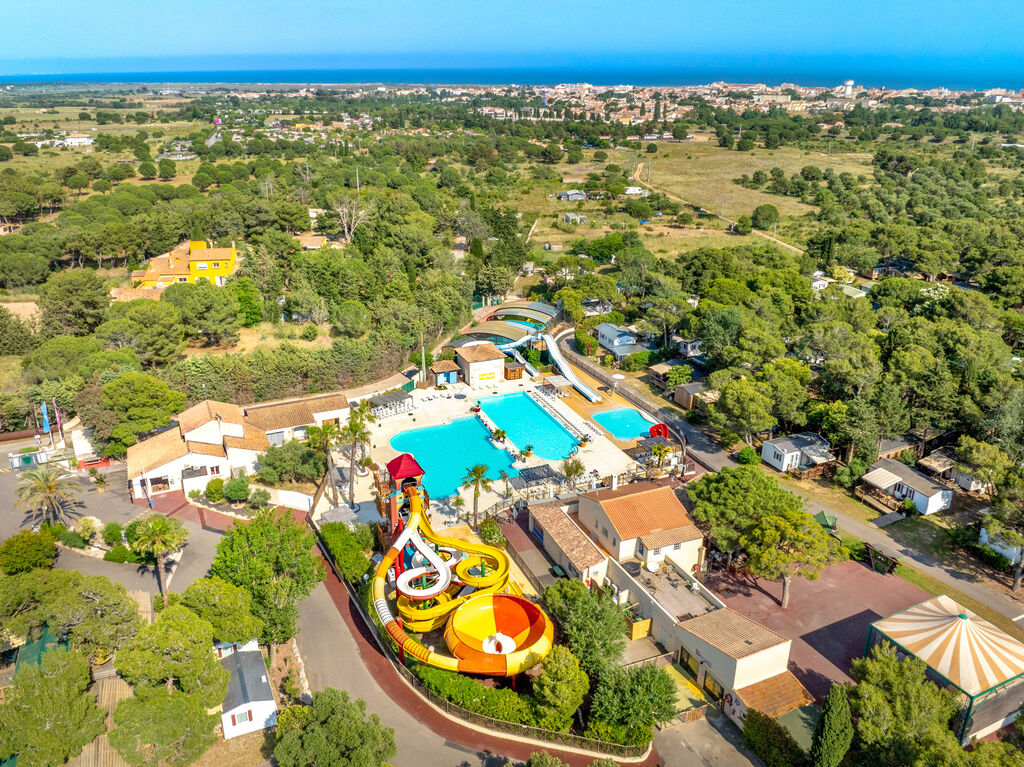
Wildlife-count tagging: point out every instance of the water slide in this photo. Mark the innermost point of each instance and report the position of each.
(487, 631)
(566, 371)
(530, 369)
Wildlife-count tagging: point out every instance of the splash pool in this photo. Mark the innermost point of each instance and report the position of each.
(624, 423)
(527, 423)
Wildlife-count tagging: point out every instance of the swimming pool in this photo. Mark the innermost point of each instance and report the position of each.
(624, 423)
(527, 423)
(445, 452)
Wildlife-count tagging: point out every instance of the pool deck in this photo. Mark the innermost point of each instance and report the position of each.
(435, 408)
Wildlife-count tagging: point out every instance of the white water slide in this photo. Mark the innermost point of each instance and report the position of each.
(567, 372)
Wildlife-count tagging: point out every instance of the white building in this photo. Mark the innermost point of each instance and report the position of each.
(797, 451)
(896, 479)
(283, 421)
(481, 364)
(619, 341)
(249, 705)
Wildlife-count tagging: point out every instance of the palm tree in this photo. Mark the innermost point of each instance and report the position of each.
(527, 451)
(47, 491)
(458, 502)
(361, 411)
(476, 478)
(323, 437)
(159, 535)
(355, 434)
(505, 478)
(661, 452)
(573, 469)
(499, 435)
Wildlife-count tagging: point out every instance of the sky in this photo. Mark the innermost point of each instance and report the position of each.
(872, 36)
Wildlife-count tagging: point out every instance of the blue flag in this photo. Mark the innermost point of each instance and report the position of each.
(46, 419)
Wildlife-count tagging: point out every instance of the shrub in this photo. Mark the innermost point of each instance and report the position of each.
(237, 490)
(634, 363)
(991, 557)
(268, 476)
(259, 498)
(961, 536)
(27, 550)
(194, 493)
(504, 704)
(748, 456)
(215, 490)
(293, 461)
(586, 344)
(847, 476)
(908, 457)
(131, 531)
(771, 741)
(87, 529)
(121, 553)
(72, 539)
(908, 505)
(309, 332)
(112, 532)
(348, 548)
(491, 534)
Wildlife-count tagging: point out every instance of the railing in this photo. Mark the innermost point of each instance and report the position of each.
(497, 725)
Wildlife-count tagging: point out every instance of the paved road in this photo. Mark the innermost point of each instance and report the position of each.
(714, 742)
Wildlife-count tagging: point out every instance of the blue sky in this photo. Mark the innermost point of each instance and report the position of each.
(134, 35)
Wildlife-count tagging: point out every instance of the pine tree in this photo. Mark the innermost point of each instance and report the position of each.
(834, 732)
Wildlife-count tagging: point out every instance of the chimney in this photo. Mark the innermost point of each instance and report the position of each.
(615, 481)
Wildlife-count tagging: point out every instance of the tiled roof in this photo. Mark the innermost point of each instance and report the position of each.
(664, 538)
(286, 415)
(641, 509)
(251, 439)
(205, 448)
(155, 451)
(444, 366)
(732, 633)
(582, 553)
(206, 411)
(480, 353)
(775, 695)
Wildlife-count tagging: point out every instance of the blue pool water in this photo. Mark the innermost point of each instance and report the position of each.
(527, 423)
(446, 451)
(624, 423)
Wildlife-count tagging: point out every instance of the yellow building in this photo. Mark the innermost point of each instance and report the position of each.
(188, 263)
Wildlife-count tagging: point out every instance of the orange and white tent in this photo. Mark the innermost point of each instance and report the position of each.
(967, 650)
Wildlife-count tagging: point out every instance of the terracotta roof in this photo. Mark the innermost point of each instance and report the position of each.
(211, 254)
(404, 466)
(283, 416)
(732, 633)
(205, 448)
(775, 695)
(444, 366)
(479, 353)
(207, 411)
(664, 538)
(641, 509)
(155, 451)
(580, 550)
(251, 439)
(130, 294)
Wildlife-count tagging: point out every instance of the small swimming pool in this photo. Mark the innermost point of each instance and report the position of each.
(624, 423)
(445, 452)
(527, 423)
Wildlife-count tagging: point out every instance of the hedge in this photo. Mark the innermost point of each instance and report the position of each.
(586, 344)
(771, 741)
(348, 548)
(505, 704)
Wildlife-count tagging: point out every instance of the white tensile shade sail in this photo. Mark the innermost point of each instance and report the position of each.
(967, 650)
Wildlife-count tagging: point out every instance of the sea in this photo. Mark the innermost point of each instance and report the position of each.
(893, 74)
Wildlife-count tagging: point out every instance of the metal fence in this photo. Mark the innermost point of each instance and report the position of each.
(497, 725)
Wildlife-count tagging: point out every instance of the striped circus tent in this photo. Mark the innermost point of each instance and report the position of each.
(964, 648)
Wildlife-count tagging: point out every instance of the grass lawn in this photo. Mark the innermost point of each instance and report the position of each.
(266, 335)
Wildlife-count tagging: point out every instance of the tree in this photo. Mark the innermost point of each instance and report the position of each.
(544, 759)
(158, 727)
(983, 461)
(139, 404)
(207, 312)
(743, 406)
(678, 375)
(147, 170)
(660, 453)
(764, 216)
(559, 689)
(78, 182)
(355, 434)
(633, 699)
(102, 186)
(594, 627)
(551, 154)
(789, 543)
(175, 653)
(730, 502)
(72, 303)
(902, 718)
(46, 492)
(787, 380)
(159, 535)
(352, 213)
(477, 480)
(351, 318)
(652, 149)
(48, 716)
(337, 732)
(834, 732)
(28, 550)
(271, 557)
(743, 225)
(250, 300)
(151, 328)
(236, 489)
(167, 169)
(293, 461)
(573, 469)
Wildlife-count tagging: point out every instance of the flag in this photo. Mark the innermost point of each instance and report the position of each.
(56, 414)
(46, 418)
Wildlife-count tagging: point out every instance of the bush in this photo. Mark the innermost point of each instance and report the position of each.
(634, 363)
(237, 490)
(259, 498)
(586, 344)
(309, 332)
(961, 537)
(491, 534)
(87, 529)
(194, 493)
(131, 531)
(293, 461)
(215, 490)
(504, 704)
(991, 557)
(909, 457)
(908, 505)
(268, 476)
(771, 741)
(121, 553)
(848, 476)
(748, 456)
(26, 551)
(348, 548)
(72, 539)
(112, 532)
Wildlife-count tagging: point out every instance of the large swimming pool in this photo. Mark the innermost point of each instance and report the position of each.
(527, 423)
(445, 452)
(624, 423)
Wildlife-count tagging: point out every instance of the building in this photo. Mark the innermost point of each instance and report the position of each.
(573, 195)
(694, 394)
(390, 403)
(633, 191)
(566, 543)
(643, 451)
(249, 705)
(897, 480)
(797, 451)
(445, 372)
(513, 324)
(592, 307)
(659, 373)
(942, 463)
(619, 341)
(643, 521)
(575, 218)
(689, 347)
(481, 364)
(188, 263)
(284, 421)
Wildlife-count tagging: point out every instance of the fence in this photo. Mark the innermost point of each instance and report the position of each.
(496, 725)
